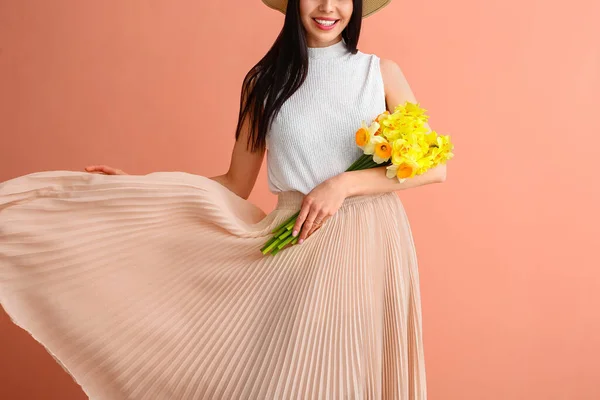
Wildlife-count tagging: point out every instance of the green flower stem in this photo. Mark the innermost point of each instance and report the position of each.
(280, 231)
(271, 246)
(364, 163)
(369, 164)
(275, 244)
(291, 224)
(282, 225)
(274, 238)
(357, 163)
(368, 160)
(284, 235)
(293, 217)
(285, 242)
(373, 164)
(351, 168)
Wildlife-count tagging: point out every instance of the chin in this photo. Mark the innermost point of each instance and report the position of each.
(325, 36)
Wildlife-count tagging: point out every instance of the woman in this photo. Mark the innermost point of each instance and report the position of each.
(154, 287)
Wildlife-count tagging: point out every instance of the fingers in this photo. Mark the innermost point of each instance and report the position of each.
(99, 169)
(310, 219)
(104, 169)
(316, 227)
(305, 219)
(313, 223)
(301, 218)
(308, 224)
(316, 223)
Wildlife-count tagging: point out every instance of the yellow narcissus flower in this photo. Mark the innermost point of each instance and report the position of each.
(441, 151)
(406, 169)
(379, 119)
(400, 147)
(383, 150)
(424, 147)
(435, 155)
(407, 146)
(445, 145)
(402, 139)
(425, 164)
(396, 126)
(382, 116)
(411, 110)
(365, 135)
(391, 171)
(391, 134)
(431, 138)
(419, 129)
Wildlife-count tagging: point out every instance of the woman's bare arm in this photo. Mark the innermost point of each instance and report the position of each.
(371, 181)
(242, 173)
(244, 166)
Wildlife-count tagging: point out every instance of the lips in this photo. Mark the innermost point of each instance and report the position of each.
(325, 23)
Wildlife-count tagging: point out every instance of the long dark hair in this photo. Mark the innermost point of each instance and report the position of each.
(281, 72)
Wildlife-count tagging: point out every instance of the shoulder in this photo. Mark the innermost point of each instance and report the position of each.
(395, 83)
(390, 70)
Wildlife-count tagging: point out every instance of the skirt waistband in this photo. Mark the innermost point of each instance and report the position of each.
(293, 200)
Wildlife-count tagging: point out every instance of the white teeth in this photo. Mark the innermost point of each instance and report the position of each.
(325, 23)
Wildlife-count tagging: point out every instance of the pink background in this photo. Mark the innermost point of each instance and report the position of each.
(508, 246)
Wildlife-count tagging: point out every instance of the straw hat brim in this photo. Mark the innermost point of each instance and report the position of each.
(369, 6)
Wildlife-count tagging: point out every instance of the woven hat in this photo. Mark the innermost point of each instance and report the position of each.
(369, 6)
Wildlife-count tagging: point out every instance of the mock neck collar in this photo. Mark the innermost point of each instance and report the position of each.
(332, 51)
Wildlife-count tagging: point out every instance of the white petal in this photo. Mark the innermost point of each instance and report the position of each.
(374, 128)
(391, 171)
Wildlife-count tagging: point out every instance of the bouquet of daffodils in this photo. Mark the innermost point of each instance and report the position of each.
(400, 141)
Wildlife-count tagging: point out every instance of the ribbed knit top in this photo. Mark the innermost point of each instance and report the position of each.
(313, 137)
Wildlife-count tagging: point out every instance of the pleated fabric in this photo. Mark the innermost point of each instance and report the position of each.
(154, 287)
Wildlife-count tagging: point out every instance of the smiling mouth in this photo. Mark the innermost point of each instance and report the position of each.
(326, 23)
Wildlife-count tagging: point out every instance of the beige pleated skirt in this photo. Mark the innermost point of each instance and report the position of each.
(154, 287)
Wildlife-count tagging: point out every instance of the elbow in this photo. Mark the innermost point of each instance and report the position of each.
(244, 195)
(241, 189)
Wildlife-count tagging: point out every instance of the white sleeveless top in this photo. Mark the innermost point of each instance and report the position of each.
(313, 137)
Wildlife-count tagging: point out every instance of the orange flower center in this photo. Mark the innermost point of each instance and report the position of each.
(405, 171)
(362, 136)
(383, 150)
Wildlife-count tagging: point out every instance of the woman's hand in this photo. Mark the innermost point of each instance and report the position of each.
(318, 206)
(104, 169)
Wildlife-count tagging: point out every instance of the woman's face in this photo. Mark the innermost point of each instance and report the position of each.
(324, 20)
